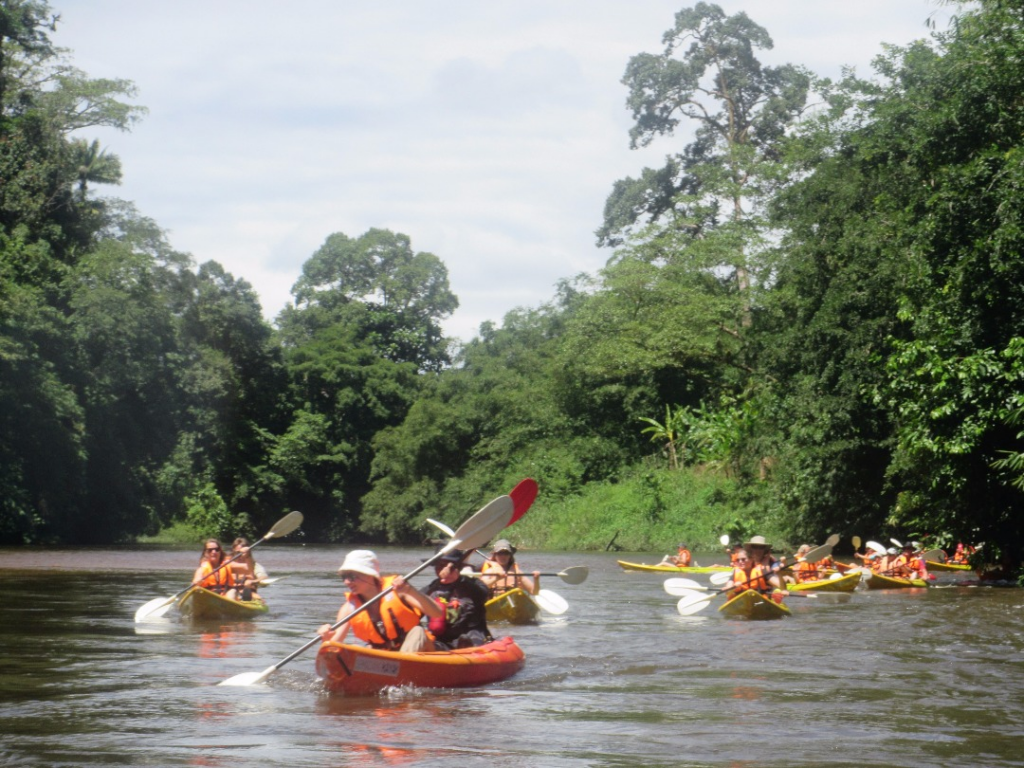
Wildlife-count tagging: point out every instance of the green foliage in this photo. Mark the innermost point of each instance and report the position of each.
(208, 515)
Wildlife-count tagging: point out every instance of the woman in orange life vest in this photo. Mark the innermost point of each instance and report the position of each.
(962, 554)
(209, 575)
(749, 575)
(502, 571)
(681, 559)
(393, 622)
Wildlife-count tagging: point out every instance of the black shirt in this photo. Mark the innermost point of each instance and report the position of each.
(469, 596)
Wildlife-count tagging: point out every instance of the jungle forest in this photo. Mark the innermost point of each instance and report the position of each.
(811, 321)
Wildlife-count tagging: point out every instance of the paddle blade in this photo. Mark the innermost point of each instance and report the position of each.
(484, 525)
(720, 577)
(856, 542)
(551, 602)
(446, 529)
(249, 678)
(523, 496)
(154, 609)
(832, 540)
(875, 547)
(934, 556)
(285, 525)
(576, 574)
(724, 539)
(680, 587)
(898, 545)
(690, 605)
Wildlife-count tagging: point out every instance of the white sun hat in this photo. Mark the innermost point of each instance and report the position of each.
(361, 561)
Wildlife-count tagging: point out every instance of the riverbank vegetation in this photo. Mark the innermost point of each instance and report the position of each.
(810, 323)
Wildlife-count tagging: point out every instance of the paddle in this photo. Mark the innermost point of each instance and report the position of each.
(475, 532)
(874, 546)
(574, 574)
(687, 587)
(856, 542)
(693, 601)
(724, 539)
(157, 607)
(523, 496)
(934, 556)
(551, 602)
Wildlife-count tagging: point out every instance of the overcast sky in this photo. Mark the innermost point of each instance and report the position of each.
(489, 132)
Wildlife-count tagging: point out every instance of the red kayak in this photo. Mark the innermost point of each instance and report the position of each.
(359, 670)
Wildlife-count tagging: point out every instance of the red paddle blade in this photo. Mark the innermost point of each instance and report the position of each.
(522, 497)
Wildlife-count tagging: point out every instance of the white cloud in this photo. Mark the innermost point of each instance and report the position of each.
(489, 132)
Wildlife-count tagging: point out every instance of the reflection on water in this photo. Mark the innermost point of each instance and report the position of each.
(621, 679)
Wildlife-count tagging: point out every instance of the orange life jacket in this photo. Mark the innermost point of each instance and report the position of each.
(396, 619)
(683, 557)
(216, 581)
(743, 582)
(805, 572)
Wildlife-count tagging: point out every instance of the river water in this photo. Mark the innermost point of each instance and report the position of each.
(904, 678)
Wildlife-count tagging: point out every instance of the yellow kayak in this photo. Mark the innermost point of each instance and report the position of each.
(199, 603)
(846, 583)
(673, 568)
(937, 567)
(877, 581)
(753, 605)
(514, 606)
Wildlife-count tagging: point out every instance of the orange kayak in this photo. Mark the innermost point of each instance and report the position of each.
(359, 670)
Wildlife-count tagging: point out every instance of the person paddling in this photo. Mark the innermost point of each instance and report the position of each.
(748, 574)
(393, 622)
(463, 599)
(502, 573)
(681, 559)
(209, 575)
(246, 571)
(908, 565)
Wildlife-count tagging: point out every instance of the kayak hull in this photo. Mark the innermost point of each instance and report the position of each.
(755, 606)
(877, 581)
(515, 606)
(948, 567)
(361, 671)
(199, 603)
(673, 568)
(846, 583)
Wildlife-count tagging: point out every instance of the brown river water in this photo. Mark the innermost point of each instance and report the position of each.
(884, 678)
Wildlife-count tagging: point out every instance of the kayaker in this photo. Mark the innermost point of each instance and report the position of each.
(748, 574)
(391, 623)
(246, 572)
(681, 559)
(908, 565)
(760, 552)
(502, 572)
(463, 599)
(802, 569)
(209, 575)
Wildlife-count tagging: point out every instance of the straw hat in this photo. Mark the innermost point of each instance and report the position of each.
(757, 541)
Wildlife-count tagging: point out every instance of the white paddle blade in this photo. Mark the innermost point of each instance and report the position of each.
(724, 539)
(679, 587)
(934, 556)
(898, 545)
(154, 609)
(551, 602)
(249, 678)
(875, 547)
(718, 578)
(441, 527)
(575, 574)
(687, 606)
(484, 525)
(285, 525)
(836, 576)
(832, 540)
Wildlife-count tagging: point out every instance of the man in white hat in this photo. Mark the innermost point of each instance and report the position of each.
(391, 623)
(760, 552)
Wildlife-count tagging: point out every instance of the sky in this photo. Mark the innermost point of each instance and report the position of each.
(490, 133)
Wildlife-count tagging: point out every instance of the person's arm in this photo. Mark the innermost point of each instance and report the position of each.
(339, 634)
(413, 598)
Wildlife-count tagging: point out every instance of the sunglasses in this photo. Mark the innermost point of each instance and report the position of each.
(213, 549)
(742, 559)
(347, 576)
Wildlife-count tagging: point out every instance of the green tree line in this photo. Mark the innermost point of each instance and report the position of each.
(810, 322)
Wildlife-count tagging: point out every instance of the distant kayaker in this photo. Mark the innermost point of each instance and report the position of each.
(391, 623)
(502, 572)
(463, 600)
(908, 565)
(748, 574)
(803, 570)
(209, 575)
(681, 559)
(246, 571)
